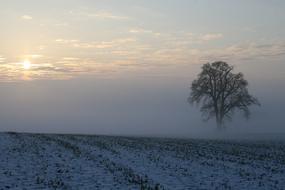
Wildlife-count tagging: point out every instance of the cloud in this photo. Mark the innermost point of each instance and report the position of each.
(135, 49)
(187, 39)
(108, 15)
(246, 51)
(183, 54)
(95, 45)
(102, 14)
(26, 17)
(65, 41)
(128, 54)
(209, 37)
(2, 59)
(50, 68)
(171, 48)
(33, 56)
(71, 58)
(143, 31)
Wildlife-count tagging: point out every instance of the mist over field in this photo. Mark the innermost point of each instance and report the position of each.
(144, 104)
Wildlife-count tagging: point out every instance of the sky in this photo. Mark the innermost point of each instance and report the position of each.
(125, 67)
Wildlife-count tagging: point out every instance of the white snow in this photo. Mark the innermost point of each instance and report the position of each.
(29, 161)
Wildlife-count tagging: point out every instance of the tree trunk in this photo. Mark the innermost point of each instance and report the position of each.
(219, 123)
(218, 116)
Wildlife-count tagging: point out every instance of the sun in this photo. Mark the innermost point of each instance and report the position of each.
(26, 64)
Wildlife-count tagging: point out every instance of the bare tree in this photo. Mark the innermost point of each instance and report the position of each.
(221, 92)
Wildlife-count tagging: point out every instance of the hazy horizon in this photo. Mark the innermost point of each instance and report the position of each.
(125, 67)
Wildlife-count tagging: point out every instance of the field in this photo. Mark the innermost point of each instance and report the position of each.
(34, 161)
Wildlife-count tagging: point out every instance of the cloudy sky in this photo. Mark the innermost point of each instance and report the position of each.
(125, 67)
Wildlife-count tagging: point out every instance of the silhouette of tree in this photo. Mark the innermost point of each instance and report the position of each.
(221, 92)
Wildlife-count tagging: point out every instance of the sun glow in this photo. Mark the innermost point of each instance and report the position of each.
(26, 64)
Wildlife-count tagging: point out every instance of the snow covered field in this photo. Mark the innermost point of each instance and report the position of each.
(30, 161)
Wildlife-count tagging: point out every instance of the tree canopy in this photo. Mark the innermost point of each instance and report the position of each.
(221, 92)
